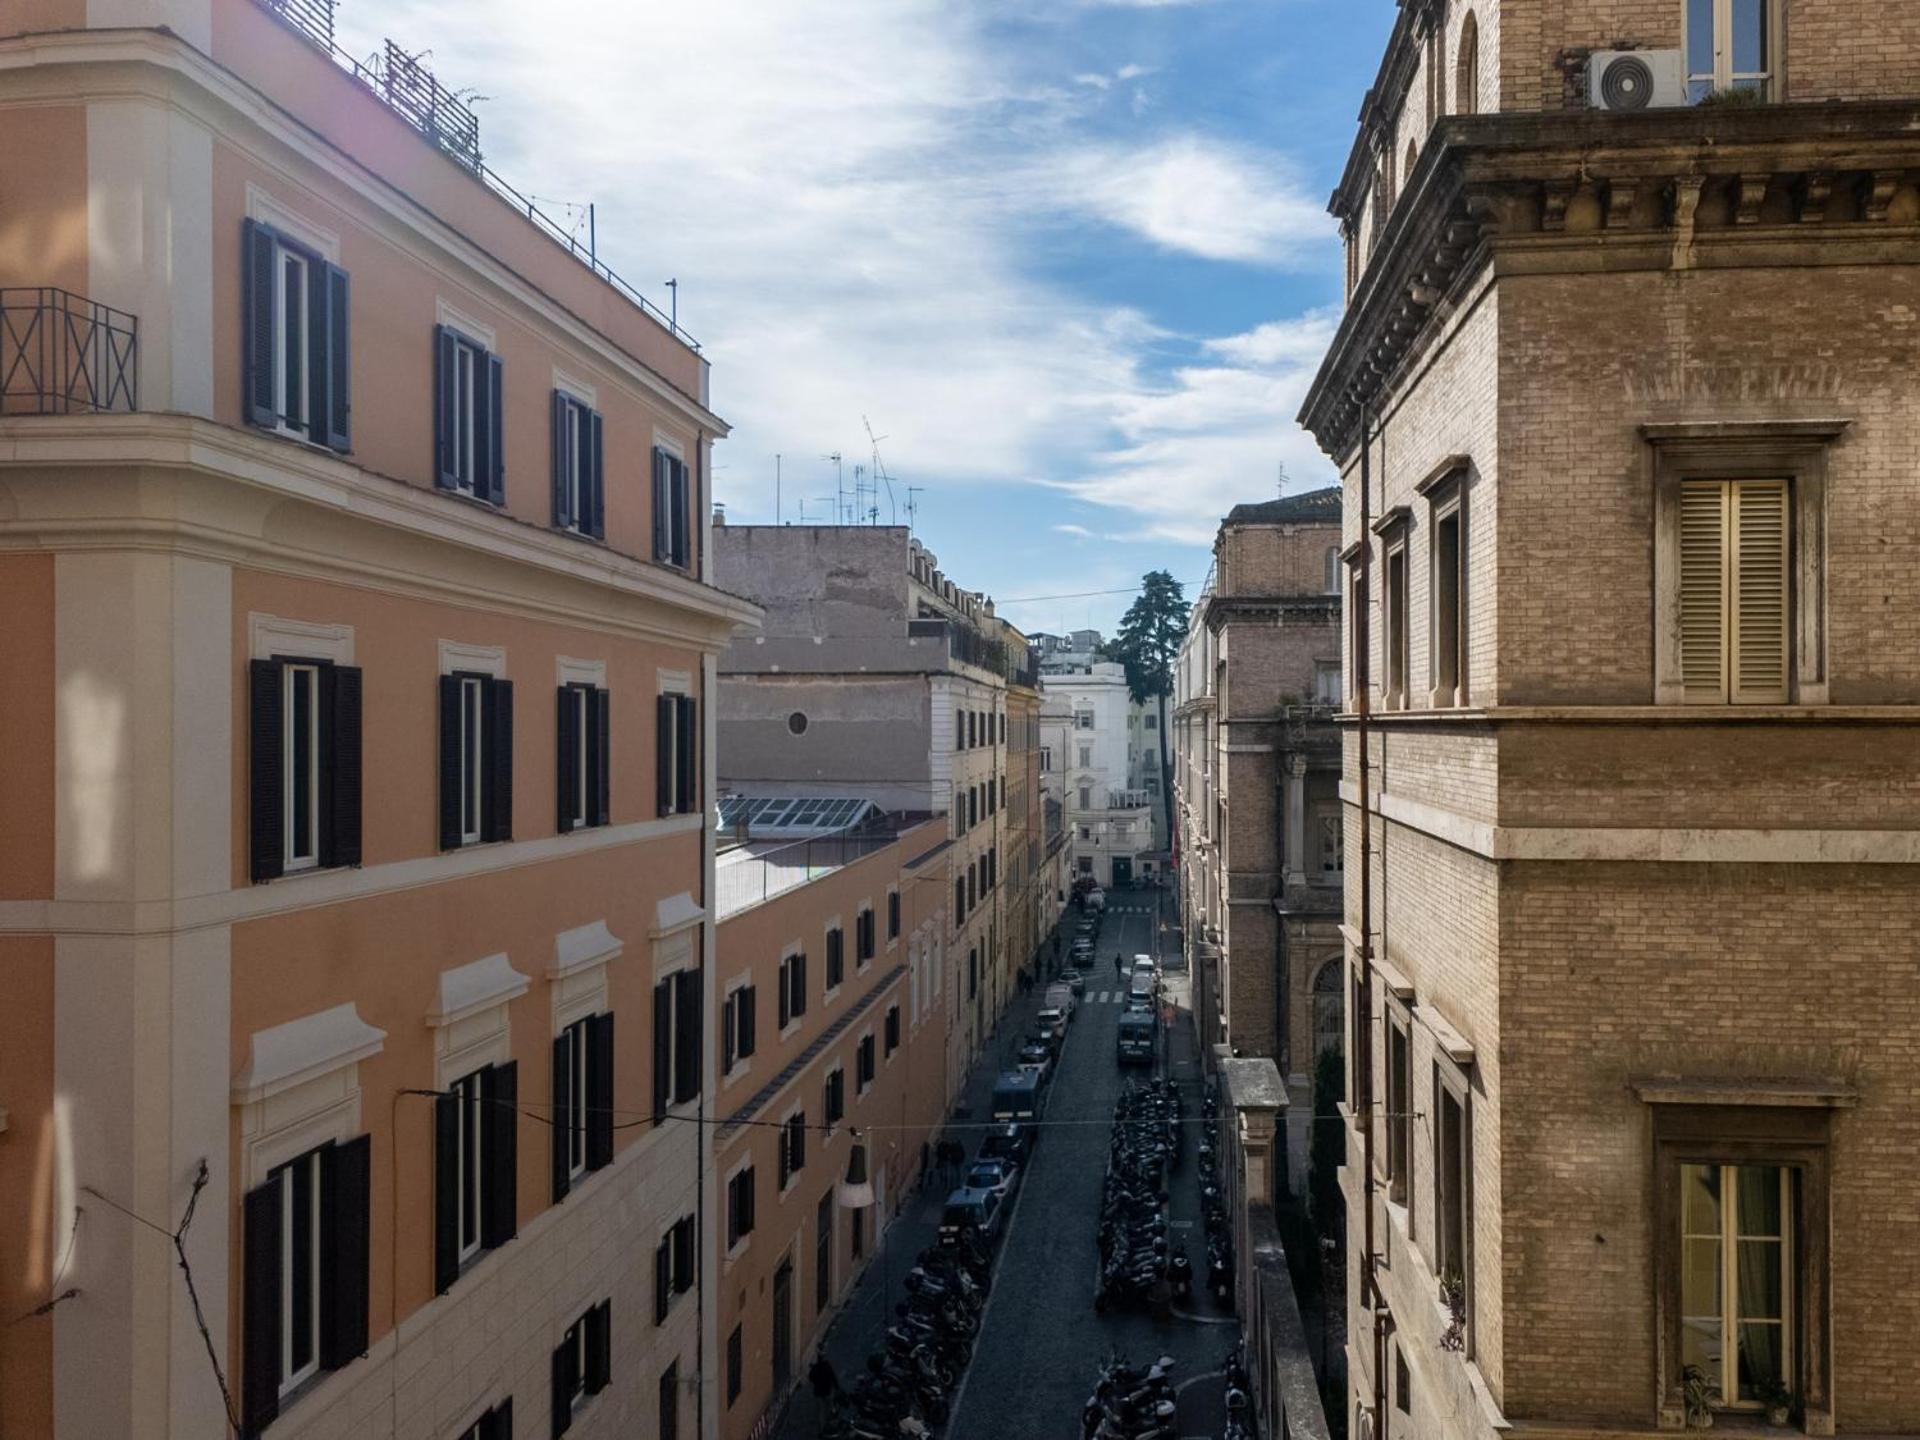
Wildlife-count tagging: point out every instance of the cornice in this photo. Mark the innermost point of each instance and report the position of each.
(71, 67)
(1381, 106)
(183, 484)
(1589, 191)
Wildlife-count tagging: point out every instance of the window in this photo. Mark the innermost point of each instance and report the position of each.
(1452, 1179)
(834, 1102)
(973, 728)
(496, 1424)
(836, 958)
(1402, 1381)
(677, 1004)
(959, 729)
(893, 915)
(973, 806)
(1466, 83)
(1729, 46)
(736, 1028)
(585, 772)
(1737, 1277)
(959, 900)
(298, 369)
(670, 1403)
(739, 1207)
(579, 484)
(973, 884)
(1399, 1108)
(1332, 843)
(1396, 605)
(823, 1254)
(1734, 596)
(673, 510)
(582, 1100)
(304, 1302)
(467, 417)
(863, 1066)
(1083, 719)
(1326, 682)
(973, 973)
(892, 1029)
(864, 937)
(581, 1364)
(793, 1148)
(304, 766)
(476, 1169)
(676, 755)
(792, 987)
(735, 1364)
(476, 759)
(1086, 756)
(1086, 803)
(674, 1261)
(1333, 570)
(1448, 591)
(1359, 666)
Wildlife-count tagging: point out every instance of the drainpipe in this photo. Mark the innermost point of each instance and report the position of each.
(1370, 1274)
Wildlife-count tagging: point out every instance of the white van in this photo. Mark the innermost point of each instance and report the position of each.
(1140, 992)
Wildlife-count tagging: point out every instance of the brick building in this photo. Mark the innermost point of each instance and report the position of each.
(1256, 777)
(1624, 406)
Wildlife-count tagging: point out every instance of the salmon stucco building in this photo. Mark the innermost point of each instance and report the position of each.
(355, 886)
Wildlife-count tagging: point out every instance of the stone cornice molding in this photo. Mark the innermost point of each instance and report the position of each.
(1380, 107)
(187, 485)
(1580, 191)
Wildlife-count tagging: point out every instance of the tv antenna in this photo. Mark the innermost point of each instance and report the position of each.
(913, 505)
(1282, 477)
(880, 470)
(839, 488)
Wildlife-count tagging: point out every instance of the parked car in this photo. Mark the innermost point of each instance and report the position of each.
(1036, 1059)
(971, 1209)
(1076, 982)
(999, 1176)
(1007, 1142)
(1045, 1038)
(1053, 1020)
(1143, 965)
(1096, 900)
(1140, 992)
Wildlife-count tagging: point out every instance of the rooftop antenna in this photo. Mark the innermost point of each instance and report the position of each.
(776, 488)
(1283, 479)
(674, 318)
(913, 505)
(880, 469)
(839, 488)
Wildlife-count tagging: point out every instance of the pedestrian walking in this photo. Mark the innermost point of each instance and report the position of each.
(826, 1391)
(1119, 966)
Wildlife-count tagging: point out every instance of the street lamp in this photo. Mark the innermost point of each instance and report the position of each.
(856, 1191)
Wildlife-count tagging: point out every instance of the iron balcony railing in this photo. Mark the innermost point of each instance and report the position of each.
(63, 354)
(743, 881)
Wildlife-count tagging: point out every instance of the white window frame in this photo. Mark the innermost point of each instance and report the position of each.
(575, 1034)
(577, 460)
(1729, 1240)
(469, 1166)
(308, 766)
(292, 389)
(469, 378)
(1331, 820)
(292, 1376)
(1723, 76)
(867, 1037)
(473, 721)
(1397, 652)
(583, 697)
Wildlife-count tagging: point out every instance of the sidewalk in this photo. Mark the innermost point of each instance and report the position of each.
(867, 1308)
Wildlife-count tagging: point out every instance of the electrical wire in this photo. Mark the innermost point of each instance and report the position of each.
(55, 1295)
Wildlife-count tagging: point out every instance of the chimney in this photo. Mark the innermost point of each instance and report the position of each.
(719, 513)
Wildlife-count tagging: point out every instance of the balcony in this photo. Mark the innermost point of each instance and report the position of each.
(63, 354)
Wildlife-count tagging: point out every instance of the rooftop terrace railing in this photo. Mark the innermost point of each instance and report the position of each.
(63, 354)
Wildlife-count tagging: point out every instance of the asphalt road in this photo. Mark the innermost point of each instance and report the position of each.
(1042, 1343)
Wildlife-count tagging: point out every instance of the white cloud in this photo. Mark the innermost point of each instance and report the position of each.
(1097, 82)
(1079, 530)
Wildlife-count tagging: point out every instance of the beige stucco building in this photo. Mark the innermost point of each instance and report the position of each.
(359, 639)
(1625, 408)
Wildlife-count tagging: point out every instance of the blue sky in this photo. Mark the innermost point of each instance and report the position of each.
(1069, 257)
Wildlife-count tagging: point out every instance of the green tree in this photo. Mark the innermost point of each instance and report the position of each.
(1150, 637)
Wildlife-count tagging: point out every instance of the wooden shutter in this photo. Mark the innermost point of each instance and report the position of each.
(446, 408)
(800, 983)
(784, 993)
(783, 1157)
(260, 1308)
(563, 1377)
(687, 757)
(446, 1192)
(747, 1001)
(662, 1281)
(340, 773)
(664, 767)
(562, 1125)
(567, 755)
(266, 765)
(662, 1047)
(1703, 591)
(600, 730)
(1759, 608)
(257, 251)
(562, 496)
(494, 473)
(500, 1123)
(497, 787)
(319, 352)
(662, 510)
(334, 425)
(596, 523)
(599, 1091)
(449, 762)
(346, 1212)
(687, 1024)
(599, 1347)
(497, 1423)
(729, 1012)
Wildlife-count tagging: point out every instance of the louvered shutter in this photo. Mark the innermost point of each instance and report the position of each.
(600, 797)
(494, 473)
(687, 1022)
(340, 774)
(562, 1126)
(662, 1047)
(568, 755)
(800, 984)
(446, 408)
(260, 1308)
(664, 767)
(784, 993)
(500, 1123)
(497, 1423)
(266, 762)
(687, 734)
(599, 1091)
(497, 787)
(596, 477)
(562, 489)
(257, 252)
(662, 1281)
(729, 1010)
(1759, 607)
(599, 1347)
(446, 1192)
(783, 1157)
(449, 762)
(319, 352)
(562, 1378)
(346, 1209)
(747, 1001)
(662, 517)
(1703, 591)
(334, 424)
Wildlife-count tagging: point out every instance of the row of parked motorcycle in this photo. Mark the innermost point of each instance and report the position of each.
(1213, 1201)
(1139, 1264)
(1131, 1402)
(909, 1383)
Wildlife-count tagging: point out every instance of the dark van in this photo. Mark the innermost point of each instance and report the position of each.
(1016, 1096)
(975, 1210)
(1136, 1037)
(1013, 1143)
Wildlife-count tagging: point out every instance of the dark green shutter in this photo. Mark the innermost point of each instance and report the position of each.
(562, 1372)
(497, 787)
(599, 1347)
(257, 251)
(664, 767)
(346, 1212)
(662, 1047)
(494, 474)
(562, 1124)
(497, 1423)
(260, 1307)
(266, 816)
(334, 425)
(599, 1091)
(446, 1192)
(446, 407)
(746, 1000)
(449, 762)
(596, 524)
(600, 800)
(687, 1034)
(562, 491)
(662, 538)
(500, 1123)
(340, 773)
(567, 756)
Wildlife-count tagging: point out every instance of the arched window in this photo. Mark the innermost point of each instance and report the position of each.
(1466, 84)
(1329, 1015)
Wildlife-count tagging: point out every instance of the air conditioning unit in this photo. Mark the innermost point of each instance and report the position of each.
(1636, 80)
